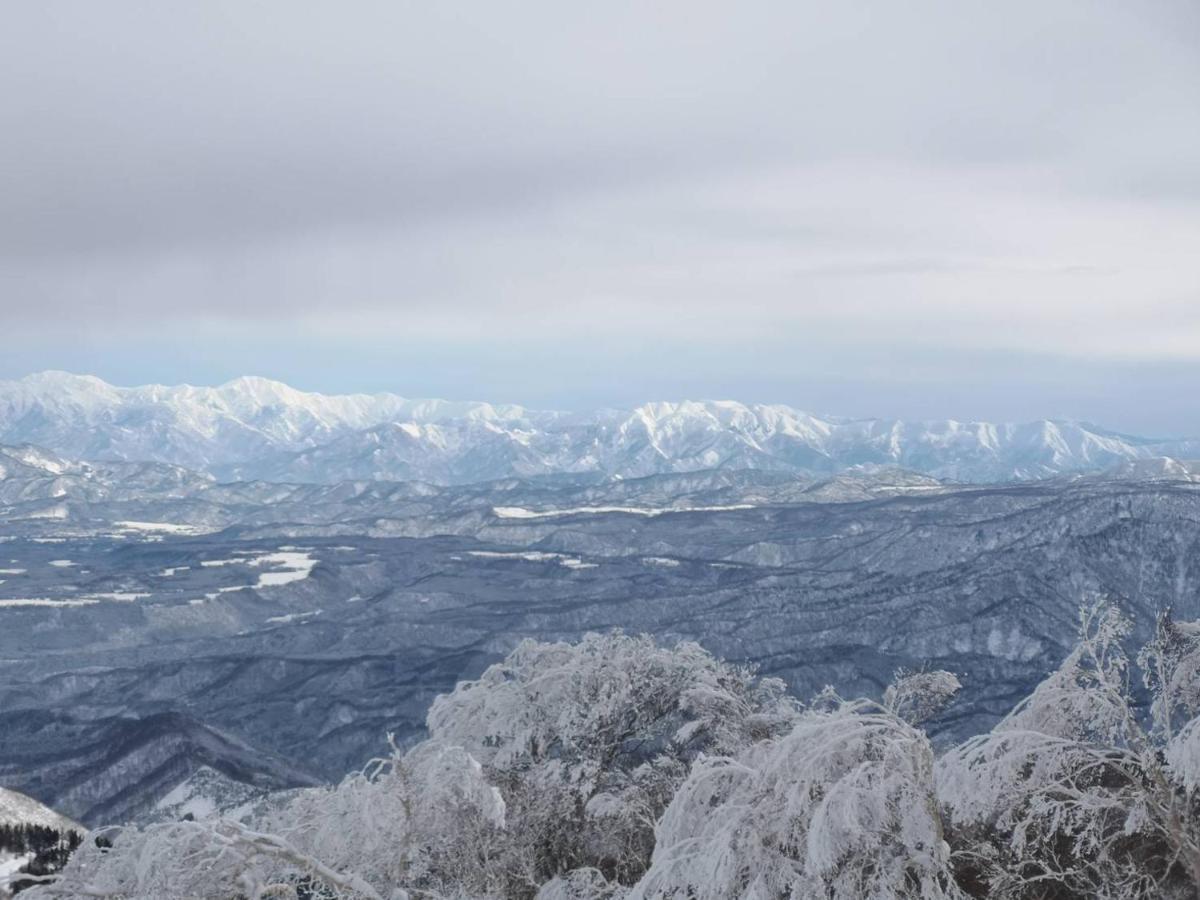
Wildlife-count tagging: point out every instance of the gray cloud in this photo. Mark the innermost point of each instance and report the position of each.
(139, 123)
(906, 178)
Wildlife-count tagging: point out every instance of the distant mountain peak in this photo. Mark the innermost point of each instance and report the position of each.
(257, 427)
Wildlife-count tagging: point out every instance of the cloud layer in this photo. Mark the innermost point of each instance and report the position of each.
(762, 197)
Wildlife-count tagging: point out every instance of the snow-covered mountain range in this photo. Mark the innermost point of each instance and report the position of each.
(254, 428)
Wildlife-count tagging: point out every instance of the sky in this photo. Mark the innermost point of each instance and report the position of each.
(919, 209)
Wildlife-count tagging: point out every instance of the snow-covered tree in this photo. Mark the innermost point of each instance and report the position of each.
(421, 821)
(589, 741)
(842, 806)
(616, 769)
(213, 860)
(1072, 795)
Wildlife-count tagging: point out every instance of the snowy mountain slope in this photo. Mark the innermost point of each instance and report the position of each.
(200, 427)
(17, 809)
(119, 767)
(256, 429)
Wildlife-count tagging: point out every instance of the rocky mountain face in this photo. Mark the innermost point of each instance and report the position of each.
(164, 623)
(256, 429)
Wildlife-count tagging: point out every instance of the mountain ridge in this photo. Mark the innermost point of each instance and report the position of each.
(254, 428)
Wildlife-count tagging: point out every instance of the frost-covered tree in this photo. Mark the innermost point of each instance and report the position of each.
(842, 806)
(589, 741)
(422, 822)
(425, 820)
(616, 769)
(214, 860)
(547, 774)
(1073, 794)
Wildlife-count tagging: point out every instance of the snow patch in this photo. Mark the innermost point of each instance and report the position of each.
(293, 617)
(518, 512)
(162, 527)
(570, 562)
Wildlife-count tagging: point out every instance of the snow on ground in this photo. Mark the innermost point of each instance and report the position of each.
(185, 799)
(11, 864)
(518, 512)
(570, 562)
(163, 527)
(213, 595)
(530, 555)
(82, 600)
(293, 617)
(296, 566)
(16, 808)
(47, 601)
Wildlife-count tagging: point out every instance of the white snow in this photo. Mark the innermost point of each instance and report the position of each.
(570, 562)
(62, 563)
(181, 796)
(296, 567)
(228, 590)
(16, 808)
(10, 865)
(164, 527)
(293, 617)
(81, 600)
(47, 601)
(517, 512)
(530, 555)
(12, 571)
(120, 596)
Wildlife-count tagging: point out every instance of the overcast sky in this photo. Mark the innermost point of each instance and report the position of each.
(980, 210)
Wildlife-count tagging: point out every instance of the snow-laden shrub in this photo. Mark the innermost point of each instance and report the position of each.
(1073, 795)
(212, 860)
(589, 741)
(425, 820)
(581, 884)
(615, 769)
(842, 806)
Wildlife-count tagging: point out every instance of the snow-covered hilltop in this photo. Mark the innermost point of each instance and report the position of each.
(17, 809)
(254, 428)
